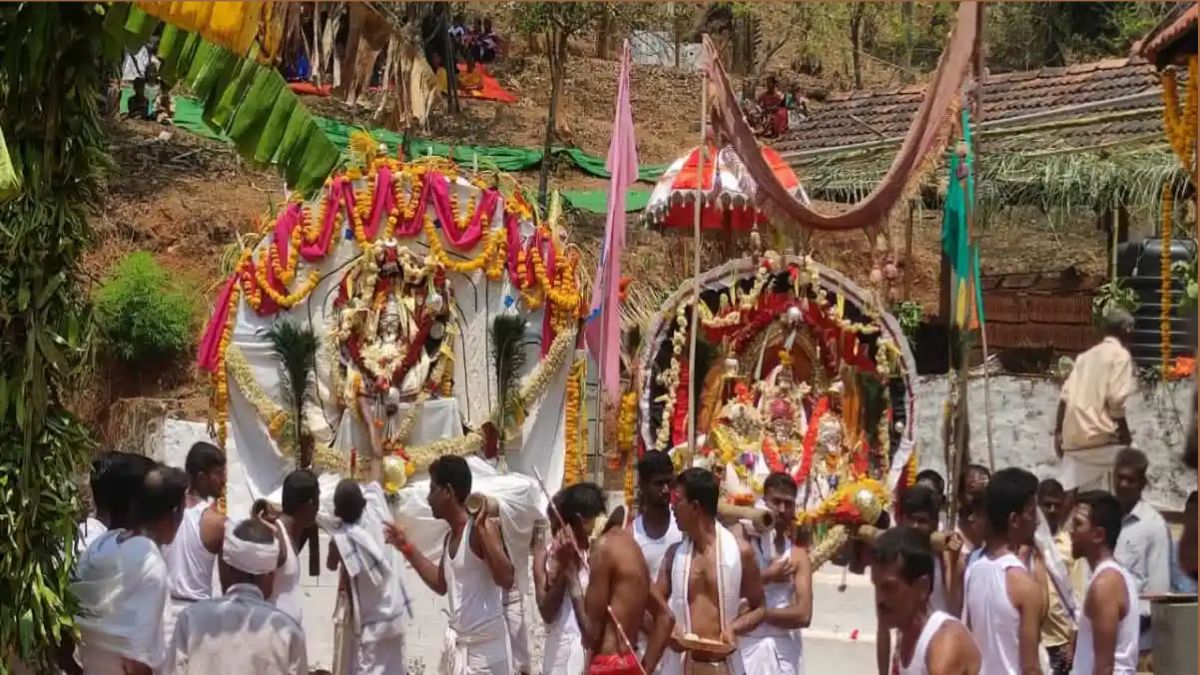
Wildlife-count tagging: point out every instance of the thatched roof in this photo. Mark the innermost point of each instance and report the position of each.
(1086, 135)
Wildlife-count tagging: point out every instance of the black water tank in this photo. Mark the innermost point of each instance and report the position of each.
(1140, 266)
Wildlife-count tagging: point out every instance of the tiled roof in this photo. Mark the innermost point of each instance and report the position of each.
(848, 118)
(1169, 34)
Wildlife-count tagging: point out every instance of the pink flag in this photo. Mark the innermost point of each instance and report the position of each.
(603, 328)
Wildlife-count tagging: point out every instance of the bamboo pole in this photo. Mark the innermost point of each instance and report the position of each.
(980, 76)
(695, 323)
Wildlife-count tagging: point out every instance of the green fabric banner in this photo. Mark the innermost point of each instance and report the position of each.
(281, 131)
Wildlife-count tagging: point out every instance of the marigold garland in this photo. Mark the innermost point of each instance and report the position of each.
(1180, 125)
(810, 439)
(626, 430)
(1164, 320)
(274, 415)
(843, 507)
(574, 430)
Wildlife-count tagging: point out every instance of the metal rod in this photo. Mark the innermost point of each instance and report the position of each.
(695, 323)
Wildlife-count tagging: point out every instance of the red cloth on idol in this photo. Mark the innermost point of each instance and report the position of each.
(614, 664)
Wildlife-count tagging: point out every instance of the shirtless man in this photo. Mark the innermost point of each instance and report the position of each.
(931, 641)
(1109, 627)
(704, 579)
(618, 579)
(1003, 604)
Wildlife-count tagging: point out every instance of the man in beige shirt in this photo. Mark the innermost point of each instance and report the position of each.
(1090, 428)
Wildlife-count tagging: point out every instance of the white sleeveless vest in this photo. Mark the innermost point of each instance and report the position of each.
(189, 564)
(1128, 630)
(919, 663)
(990, 615)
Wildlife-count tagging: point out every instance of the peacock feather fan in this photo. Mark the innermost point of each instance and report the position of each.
(295, 346)
(508, 357)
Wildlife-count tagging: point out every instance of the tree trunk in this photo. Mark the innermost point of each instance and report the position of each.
(449, 60)
(603, 35)
(856, 17)
(315, 58)
(678, 31)
(358, 14)
(556, 51)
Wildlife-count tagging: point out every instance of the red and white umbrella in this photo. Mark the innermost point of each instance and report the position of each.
(727, 192)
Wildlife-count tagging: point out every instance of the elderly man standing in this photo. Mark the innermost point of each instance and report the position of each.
(1090, 428)
(241, 631)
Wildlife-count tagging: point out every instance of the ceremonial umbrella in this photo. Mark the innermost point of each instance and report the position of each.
(726, 190)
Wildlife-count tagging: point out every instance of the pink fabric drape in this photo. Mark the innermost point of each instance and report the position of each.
(437, 186)
(208, 354)
(927, 129)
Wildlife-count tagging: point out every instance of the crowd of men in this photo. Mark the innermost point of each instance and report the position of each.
(669, 590)
(964, 583)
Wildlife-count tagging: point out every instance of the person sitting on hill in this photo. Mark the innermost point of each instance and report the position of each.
(774, 112)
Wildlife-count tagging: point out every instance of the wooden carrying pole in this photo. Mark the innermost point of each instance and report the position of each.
(695, 322)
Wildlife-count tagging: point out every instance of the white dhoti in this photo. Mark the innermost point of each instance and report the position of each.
(171, 613)
(518, 633)
(482, 653)
(379, 657)
(1090, 468)
(772, 655)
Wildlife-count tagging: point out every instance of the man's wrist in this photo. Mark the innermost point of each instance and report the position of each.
(406, 549)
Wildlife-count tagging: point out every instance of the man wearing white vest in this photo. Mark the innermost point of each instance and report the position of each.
(775, 647)
(473, 571)
(1003, 604)
(1108, 627)
(301, 502)
(704, 579)
(192, 557)
(931, 641)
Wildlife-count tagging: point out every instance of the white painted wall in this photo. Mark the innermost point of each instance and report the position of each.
(1023, 410)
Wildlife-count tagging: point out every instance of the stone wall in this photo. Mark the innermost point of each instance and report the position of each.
(1023, 410)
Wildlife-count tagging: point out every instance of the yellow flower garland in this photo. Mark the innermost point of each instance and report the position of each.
(1164, 321)
(574, 431)
(492, 257)
(267, 409)
(847, 491)
(1181, 125)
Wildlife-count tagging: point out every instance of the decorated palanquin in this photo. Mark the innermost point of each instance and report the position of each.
(799, 371)
(403, 271)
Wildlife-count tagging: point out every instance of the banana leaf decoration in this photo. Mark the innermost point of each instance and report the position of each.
(508, 357)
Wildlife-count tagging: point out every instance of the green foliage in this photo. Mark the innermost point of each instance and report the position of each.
(51, 62)
(142, 312)
(295, 346)
(1115, 293)
(1187, 270)
(909, 315)
(508, 357)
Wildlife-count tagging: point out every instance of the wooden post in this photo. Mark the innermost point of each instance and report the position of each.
(908, 253)
(695, 323)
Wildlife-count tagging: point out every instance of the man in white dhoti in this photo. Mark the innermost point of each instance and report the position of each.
(775, 647)
(371, 580)
(558, 577)
(1090, 427)
(192, 556)
(473, 571)
(240, 632)
(121, 583)
(704, 579)
(301, 502)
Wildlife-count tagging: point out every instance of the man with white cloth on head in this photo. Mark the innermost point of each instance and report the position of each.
(374, 645)
(121, 583)
(240, 632)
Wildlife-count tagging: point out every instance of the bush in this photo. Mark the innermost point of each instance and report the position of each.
(142, 312)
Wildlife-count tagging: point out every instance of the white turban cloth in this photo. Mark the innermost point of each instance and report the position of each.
(249, 556)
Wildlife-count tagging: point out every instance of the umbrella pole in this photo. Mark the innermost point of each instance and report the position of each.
(695, 323)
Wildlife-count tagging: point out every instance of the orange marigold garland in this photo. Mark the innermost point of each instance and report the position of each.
(573, 428)
(1164, 321)
(1180, 125)
(810, 439)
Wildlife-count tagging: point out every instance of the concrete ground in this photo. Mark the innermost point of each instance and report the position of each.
(841, 638)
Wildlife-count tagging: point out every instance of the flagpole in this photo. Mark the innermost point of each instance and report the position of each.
(695, 323)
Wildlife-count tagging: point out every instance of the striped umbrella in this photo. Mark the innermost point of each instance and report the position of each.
(726, 189)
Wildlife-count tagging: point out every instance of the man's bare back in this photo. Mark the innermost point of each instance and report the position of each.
(619, 579)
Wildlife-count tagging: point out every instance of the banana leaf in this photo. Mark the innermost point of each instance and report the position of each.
(248, 123)
(272, 133)
(220, 114)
